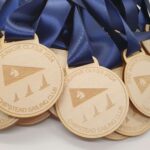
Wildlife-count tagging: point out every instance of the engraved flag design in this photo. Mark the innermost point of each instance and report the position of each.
(81, 95)
(13, 73)
(142, 82)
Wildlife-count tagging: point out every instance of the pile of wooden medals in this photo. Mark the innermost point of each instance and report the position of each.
(90, 101)
(134, 121)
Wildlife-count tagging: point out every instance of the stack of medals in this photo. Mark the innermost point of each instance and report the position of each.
(91, 100)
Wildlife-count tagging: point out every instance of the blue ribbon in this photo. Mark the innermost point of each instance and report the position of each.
(129, 11)
(2, 3)
(22, 24)
(52, 21)
(104, 11)
(23, 2)
(80, 51)
(7, 7)
(67, 24)
(104, 48)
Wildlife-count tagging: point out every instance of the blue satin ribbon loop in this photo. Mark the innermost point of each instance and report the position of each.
(84, 27)
(104, 17)
(104, 49)
(7, 7)
(78, 3)
(129, 11)
(80, 51)
(22, 24)
(132, 43)
(52, 20)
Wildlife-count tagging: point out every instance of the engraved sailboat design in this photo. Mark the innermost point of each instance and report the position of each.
(96, 112)
(109, 102)
(29, 91)
(16, 98)
(44, 83)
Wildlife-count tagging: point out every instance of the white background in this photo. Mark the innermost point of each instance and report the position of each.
(51, 135)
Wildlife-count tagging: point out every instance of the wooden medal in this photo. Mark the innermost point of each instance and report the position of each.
(5, 120)
(135, 122)
(31, 79)
(94, 101)
(137, 80)
(33, 120)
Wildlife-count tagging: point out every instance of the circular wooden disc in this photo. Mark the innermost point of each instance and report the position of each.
(137, 80)
(94, 102)
(33, 120)
(135, 123)
(31, 79)
(6, 121)
(115, 136)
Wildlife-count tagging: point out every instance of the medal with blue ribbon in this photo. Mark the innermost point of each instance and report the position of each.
(135, 122)
(136, 15)
(137, 71)
(31, 76)
(91, 93)
(45, 42)
(133, 48)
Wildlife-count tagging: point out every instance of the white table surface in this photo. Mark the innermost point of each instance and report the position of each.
(51, 135)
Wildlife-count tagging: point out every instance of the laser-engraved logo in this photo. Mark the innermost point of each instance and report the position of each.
(81, 95)
(143, 82)
(29, 91)
(13, 73)
(109, 102)
(96, 112)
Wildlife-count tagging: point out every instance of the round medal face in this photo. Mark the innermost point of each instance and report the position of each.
(115, 136)
(6, 121)
(94, 102)
(33, 120)
(137, 80)
(31, 79)
(134, 124)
